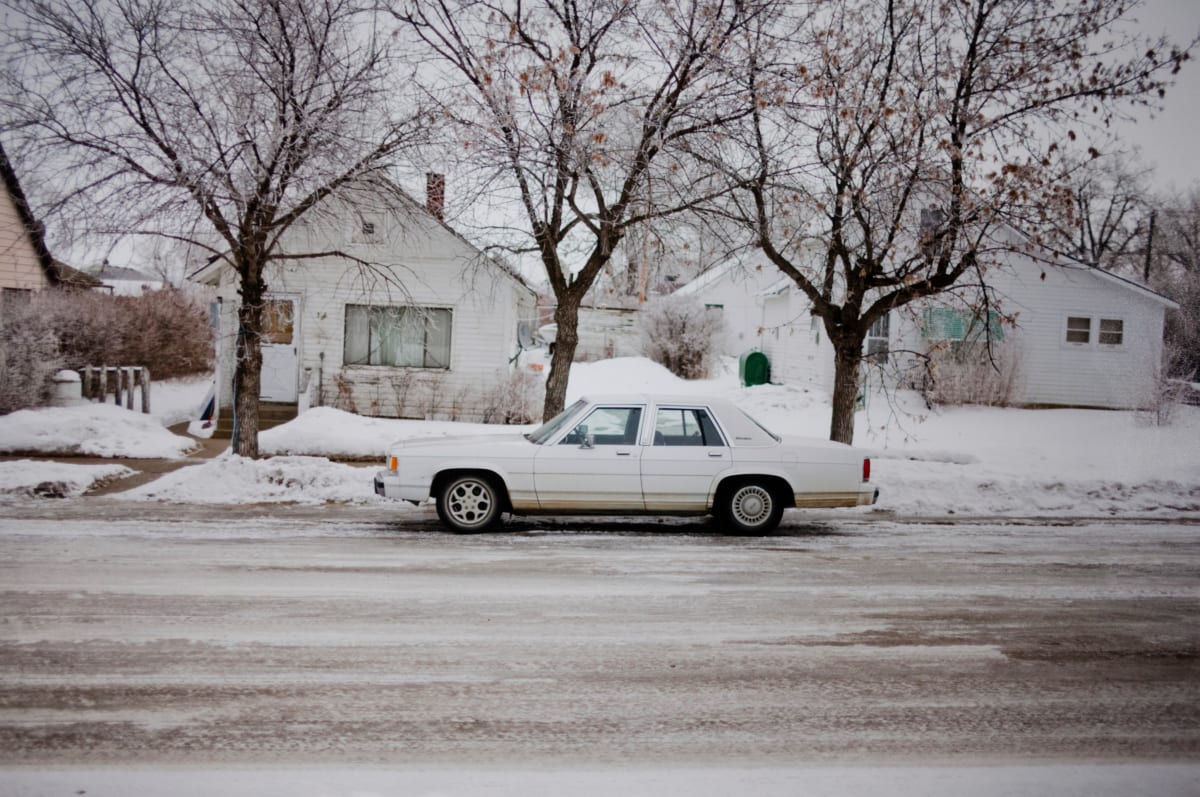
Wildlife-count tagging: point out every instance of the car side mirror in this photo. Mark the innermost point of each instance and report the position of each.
(589, 441)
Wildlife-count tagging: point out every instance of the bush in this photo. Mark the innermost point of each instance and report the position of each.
(28, 360)
(963, 373)
(514, 399)
(164, 331)
(680, 334)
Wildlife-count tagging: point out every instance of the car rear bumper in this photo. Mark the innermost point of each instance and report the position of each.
(835, 500)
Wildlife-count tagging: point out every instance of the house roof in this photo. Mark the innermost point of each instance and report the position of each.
(782, 285)
(111, 272)
(708, 278)
(32, 227)
(74, 278)
(1128, 284)
(212, 266)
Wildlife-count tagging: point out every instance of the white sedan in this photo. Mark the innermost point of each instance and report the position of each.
(623, 455)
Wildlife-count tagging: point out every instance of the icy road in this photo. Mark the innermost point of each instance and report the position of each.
(177, 636)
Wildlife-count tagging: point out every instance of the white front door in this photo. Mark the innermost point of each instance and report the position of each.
(280, 350)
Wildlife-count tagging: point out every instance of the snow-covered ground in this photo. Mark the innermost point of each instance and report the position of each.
(962, 461)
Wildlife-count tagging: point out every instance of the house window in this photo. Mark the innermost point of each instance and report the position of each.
(278, 321)
(416, 337)
(877, 341)
(1079, 329)
(1112, 332)
(944, 323)
(368, 231)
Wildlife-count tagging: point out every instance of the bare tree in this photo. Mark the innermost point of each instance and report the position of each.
(576, 112)
(1175, 253)
(221, 123)
(896, 145)
(1113, 207)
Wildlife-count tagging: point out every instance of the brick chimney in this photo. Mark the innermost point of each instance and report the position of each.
(435, 195)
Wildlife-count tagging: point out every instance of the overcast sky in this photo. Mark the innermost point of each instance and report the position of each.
(1170, 141)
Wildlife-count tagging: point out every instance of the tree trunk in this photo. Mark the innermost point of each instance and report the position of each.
(847, 363)
(247, 374)
(566, 340)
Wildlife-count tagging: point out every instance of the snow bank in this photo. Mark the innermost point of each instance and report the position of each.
(93, 430)
(26, 478)
(230, 479)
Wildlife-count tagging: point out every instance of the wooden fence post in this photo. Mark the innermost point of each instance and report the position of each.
(145, 390)
(102, 393)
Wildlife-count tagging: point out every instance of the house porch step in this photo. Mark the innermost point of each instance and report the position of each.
(270, 415)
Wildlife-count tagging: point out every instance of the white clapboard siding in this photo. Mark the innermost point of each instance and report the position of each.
(1054, 372)
(795, 343)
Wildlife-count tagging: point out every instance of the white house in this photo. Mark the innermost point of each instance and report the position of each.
(735, 289)
(419, 324)
(123, 281)
(1081, 336)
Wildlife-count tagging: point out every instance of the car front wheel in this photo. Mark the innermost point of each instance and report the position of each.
(750, 508)
(469, 503)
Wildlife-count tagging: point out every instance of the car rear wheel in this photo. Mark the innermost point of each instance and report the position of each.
(469, 503)
(750, 508)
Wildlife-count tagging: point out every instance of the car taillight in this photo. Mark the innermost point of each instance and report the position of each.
(866, 470)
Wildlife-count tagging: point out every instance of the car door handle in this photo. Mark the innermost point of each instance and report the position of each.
(716, 454)
(624, 453)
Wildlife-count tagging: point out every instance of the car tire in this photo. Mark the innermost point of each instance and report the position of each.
(750, 507)
(469, 503)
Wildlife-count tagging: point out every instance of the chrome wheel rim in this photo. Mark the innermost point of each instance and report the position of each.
(470, 502)
(752, 505)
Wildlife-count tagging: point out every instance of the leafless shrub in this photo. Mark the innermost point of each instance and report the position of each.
(428, 397)
(164, 331)
(514, 399)
(28, 360)
(965, 373)
(345, 392)
(1165, 392)
(680, 334)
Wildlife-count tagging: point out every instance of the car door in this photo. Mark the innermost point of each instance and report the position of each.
(683, 461)
(595, 465)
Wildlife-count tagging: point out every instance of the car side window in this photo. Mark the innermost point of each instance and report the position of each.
(685, 427)
(608, 426)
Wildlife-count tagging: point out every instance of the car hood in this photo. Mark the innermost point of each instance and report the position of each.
(458, 442)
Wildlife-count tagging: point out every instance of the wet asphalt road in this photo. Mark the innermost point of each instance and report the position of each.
(164, 635)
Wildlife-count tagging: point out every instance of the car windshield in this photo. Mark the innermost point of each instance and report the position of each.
(544, 432)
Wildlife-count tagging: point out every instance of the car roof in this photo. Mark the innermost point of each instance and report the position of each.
(743, 430)
(656, 398)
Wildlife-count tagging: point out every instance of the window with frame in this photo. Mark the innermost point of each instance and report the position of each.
(950, 324)
(1112, 332)
(877, 340)
(368, 229)
(685, 427)
(1079, 329)
(412, 337)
